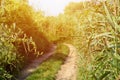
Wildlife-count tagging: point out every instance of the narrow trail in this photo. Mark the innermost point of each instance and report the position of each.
(32, 67)
(68, 70)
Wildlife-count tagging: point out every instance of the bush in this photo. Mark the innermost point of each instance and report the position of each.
(4, 75)
(16, 49)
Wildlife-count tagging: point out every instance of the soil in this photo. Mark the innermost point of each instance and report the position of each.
(68, 70)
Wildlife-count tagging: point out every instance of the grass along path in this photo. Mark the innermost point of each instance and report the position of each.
(32, 67)
(48, 69)
(68, 70)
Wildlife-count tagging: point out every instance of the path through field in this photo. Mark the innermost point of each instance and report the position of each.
(68, 70)
(32, 67)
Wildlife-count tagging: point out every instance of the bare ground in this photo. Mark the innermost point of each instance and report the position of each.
(32, 67)
(68, 70)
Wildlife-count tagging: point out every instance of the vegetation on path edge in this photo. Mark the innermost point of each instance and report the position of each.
(48, 69)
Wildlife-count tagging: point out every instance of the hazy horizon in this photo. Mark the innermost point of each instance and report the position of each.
(51, 7)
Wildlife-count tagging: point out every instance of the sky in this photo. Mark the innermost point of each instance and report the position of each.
(51, 7)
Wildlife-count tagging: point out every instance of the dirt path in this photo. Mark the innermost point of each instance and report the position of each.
(68, 70)
(32, 67)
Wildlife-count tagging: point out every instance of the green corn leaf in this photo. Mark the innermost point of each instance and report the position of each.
(104, 75)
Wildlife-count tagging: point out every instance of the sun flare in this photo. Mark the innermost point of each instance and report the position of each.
(51, 7)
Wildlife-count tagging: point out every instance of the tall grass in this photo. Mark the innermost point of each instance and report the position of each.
(100, 59)
(16, 50)
(9, 58)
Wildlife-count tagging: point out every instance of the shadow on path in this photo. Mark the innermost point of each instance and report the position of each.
(35, 63)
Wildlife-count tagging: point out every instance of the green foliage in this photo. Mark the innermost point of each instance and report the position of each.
(15, 50)
(4, 75)
(10, 60)
(106, 66)
(100, 42)
(18, 43)
(61, 48)
(94, 30)
(25, 19)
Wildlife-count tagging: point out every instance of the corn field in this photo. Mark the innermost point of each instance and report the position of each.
(92, 26)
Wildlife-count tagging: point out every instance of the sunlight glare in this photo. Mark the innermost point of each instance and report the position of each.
(51, 7)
